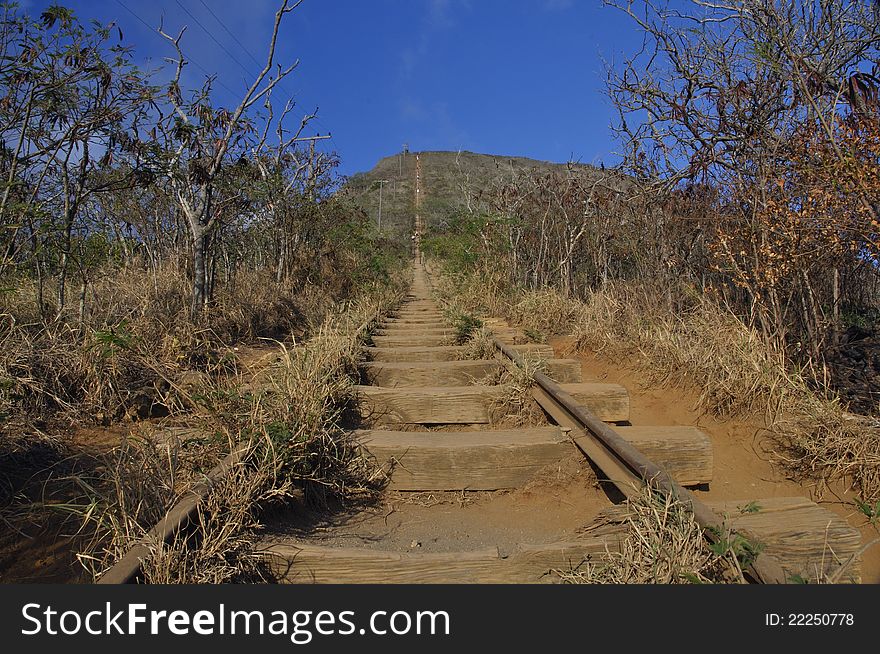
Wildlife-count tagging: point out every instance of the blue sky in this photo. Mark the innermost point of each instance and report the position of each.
(509, 77)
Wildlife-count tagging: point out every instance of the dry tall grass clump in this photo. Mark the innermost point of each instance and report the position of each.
(291, 429)
(130, 345)
(479, 346)
(545, 312)
(737, 373)
(663, 545)
(516, 407)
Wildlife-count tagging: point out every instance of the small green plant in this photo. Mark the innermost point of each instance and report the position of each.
(871, 511)
(465, 326)
(745, 551)
(114, 339)
(751, 507)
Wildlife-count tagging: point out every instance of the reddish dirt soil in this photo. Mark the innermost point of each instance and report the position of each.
(746, 466)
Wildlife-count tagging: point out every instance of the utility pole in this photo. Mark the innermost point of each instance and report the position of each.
(381, 181)
(311, 140)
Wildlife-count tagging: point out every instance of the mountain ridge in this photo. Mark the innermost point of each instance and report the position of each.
(449, 177)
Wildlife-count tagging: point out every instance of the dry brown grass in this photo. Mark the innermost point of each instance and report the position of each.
(682, 336)
(479, 346)
(292, 427)
(663, 544)
(516, 407)
(544, 313)
(738, 373)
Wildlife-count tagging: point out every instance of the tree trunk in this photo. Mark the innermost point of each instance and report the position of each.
(200, 273)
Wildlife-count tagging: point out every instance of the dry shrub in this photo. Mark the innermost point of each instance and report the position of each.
(833, 443)
(737, 373)
(516, 407)
(295, 440)
(466, 294)
(479, 346)
(135, 341)
(545, 312)
(663, 545)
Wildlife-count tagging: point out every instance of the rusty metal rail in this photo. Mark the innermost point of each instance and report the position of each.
(181, 515)
(626, 467)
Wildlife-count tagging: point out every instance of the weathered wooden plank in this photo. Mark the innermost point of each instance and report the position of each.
(610, 402)
(510, 336)
(301, 563)
(412, 341)
(434, 323)
(810, 541)
(471, 404)
(418, 309)
(454, 373)
(429, 405)
(564, 370)
(428, 321)
(419, 331)
(442, 373)
(475, 460)
(428, 354)
(685, 452)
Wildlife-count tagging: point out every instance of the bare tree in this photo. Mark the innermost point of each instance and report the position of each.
(198, 142)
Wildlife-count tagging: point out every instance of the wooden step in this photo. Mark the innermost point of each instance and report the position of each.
(428, 354)
(414, 327)
(414, 338)
(418, 331)
(511, 337)
(684, 452)
(427, 406)
(471, 404)
(610, 402)
(412, 341)
(419, 309)
(418, 316)
(807, 539)
(454, 373)
(443, 373)
(414, 322)
(474, 460)
(530, 564)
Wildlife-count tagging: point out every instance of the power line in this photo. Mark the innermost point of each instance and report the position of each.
(155, 31)
(226, 29)
(289, 96)
(253, 58)
(213, 38)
